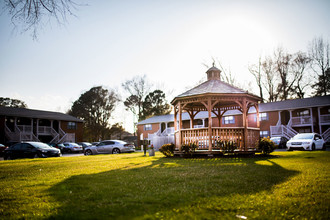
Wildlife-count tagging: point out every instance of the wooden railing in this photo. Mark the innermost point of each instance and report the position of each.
(252, 137)
(200, 136)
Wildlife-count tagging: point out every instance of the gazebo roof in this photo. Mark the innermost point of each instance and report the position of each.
(212, 86)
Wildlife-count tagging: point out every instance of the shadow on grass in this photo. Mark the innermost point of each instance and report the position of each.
(166, 184)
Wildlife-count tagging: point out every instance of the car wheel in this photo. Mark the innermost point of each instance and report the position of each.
(36, 156)
(116, 151)
(7, 158)
(324, 147)
(313, 146)
(69, 151)
(289, 149)
(88, 152)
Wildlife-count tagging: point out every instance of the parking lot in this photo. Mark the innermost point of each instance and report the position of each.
(63, 155)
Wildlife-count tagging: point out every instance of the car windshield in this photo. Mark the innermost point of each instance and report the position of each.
(303, 136)
(40, 145)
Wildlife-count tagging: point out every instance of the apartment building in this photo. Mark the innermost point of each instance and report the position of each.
(21, 124)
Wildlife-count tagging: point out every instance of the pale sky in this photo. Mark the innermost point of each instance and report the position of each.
(110, 42)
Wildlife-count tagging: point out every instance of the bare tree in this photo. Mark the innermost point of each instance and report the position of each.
(31, 14)
(319, 52)
(255, 70)
(138, 88)
(283, 67)
(270, 79)
(300, 63)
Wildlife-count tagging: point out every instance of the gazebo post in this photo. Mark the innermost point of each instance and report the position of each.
(175, 124)
(180, 127)
(244, 109)
(258, 121)
(209, 109)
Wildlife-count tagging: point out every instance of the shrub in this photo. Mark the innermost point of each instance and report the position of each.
(265, 145)
(227, 146)
(167, 150)
(189, 148)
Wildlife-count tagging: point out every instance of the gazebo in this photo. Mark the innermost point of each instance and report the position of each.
(216, 97)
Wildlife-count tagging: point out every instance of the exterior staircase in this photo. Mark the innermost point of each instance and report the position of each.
(25, 133)
(20, 134)
(283, 131)
(326, 135)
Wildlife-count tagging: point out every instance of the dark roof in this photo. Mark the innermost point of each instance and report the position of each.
(263, 107)
(295, 104)
(31, 113)
(213, 86)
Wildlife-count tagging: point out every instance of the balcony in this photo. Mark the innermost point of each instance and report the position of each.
(301, 121)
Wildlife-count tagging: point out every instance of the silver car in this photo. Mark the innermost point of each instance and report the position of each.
(110, 147)
(306, 141)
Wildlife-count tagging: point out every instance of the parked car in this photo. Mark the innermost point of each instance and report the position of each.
(84, 144)
(306, 141)
(2, 149)
(31, 150)
(280, 142)
(58, 146)
(110, 147)
(72, 148)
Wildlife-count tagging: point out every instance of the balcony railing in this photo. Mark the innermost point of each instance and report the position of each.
(324, 119)
(25, 128)
(302, 120)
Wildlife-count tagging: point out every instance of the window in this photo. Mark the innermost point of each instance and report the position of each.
(303, 113)
(148, 127)
(72, 125)
(198, 123)
(264, 133)
(25, 146)
(228, 120)
(263, 116)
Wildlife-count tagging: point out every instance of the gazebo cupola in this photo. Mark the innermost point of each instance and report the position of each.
(215, 97)
(213, 73)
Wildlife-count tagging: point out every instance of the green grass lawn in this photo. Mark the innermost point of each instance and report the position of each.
(286, 185)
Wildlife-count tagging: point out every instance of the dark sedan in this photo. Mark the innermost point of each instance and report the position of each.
(280, 142)
(2, 149)
(31, 150)
(58, 146)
